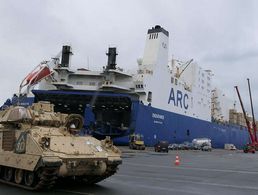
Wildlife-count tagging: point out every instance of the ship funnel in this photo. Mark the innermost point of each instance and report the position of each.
(111, 64)
(66, 53)
(156, 48)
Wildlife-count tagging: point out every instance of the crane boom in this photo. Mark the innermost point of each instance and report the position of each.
(246, 120)
(251, 101)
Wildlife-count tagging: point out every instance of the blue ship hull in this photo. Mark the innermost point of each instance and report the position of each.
(177, 128)
(172, 127)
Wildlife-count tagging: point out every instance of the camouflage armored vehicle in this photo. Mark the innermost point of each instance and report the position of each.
(39, 146)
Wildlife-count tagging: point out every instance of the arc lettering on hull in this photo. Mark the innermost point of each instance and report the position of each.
(178, 99)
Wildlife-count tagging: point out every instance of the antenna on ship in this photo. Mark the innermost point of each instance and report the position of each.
(88, 62)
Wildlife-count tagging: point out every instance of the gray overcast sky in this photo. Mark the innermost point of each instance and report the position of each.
(220, 35)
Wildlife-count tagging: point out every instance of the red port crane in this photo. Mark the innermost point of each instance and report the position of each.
(254, 123)
(253, 145)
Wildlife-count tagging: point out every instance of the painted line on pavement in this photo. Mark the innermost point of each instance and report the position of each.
(193, 182)
(195, 168)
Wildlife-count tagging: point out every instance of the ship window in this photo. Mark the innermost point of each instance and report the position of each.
(176, 81)
(172, 79)
(157, 35)
(92, 83)
(150, 36)
(141, 86)
(79, 83)
(188, 132)
(149, 98)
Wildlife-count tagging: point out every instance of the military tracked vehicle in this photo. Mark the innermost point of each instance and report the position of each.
(39, 146)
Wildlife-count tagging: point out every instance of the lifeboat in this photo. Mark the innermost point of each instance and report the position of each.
(36, 75)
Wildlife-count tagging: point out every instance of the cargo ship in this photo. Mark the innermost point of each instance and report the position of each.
(162, 99)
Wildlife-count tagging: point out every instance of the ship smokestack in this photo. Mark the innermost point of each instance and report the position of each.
(156, 48)
(111, 64)
(66, 53)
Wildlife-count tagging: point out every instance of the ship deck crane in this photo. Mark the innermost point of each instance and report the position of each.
(186, 64)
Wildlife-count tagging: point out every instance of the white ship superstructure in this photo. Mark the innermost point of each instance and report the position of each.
(156, 82)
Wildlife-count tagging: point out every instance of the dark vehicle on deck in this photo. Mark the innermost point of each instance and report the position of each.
(161, 146)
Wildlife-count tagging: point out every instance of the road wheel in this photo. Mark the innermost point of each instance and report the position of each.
(18, 176)
(29, 178)
(8, 173)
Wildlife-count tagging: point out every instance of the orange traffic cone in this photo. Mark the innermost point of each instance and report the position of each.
(177, 161)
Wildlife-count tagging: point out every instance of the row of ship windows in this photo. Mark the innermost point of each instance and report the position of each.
(139, 86)
(153, 36)
(208, 78)
(202, 87)
(145, 71)
(208, 83)
(90, 83)
(174, 80)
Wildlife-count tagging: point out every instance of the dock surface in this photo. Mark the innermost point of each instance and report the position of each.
(147, 172)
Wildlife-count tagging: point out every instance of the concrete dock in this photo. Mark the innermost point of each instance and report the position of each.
(147, 172)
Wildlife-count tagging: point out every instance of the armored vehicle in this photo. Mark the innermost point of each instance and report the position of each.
(39, 146)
